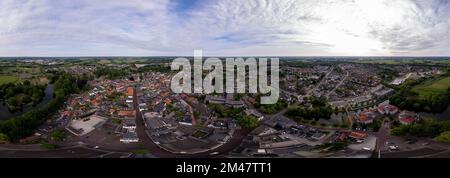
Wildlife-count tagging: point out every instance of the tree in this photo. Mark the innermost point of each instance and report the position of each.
(58, 135)
(27, 82)
(248, 121)
(12, 101)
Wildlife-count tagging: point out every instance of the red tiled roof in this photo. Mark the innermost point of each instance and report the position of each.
(366, 116)
(167, 101)
(408, 120)
(358, 135)
(131, 113)
(130, 91)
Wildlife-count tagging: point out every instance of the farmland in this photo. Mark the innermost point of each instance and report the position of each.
(433, 87)
(8, 79)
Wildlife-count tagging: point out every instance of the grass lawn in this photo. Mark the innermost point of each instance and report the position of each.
(435, 86)
(8, 79)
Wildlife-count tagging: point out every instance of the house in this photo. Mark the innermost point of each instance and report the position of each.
(407, 117)
(387, 109)
(366, 117)
(218, 124)
(254, 112)
(160, 107)
(280, 122)
(168, 101)
(318, 136)
(234, 104)
(130, 91)
(214, 100)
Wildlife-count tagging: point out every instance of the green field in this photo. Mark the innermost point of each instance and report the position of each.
(431, 87)
(8, 79)
(380, 62)
(409, 61)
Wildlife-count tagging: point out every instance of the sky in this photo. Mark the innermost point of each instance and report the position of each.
(225, 27)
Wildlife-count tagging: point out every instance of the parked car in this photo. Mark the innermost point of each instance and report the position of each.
(393, 147)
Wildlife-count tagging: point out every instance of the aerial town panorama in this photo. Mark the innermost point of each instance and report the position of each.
(345, 79)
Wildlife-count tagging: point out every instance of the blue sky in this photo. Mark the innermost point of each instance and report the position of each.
(225, 27)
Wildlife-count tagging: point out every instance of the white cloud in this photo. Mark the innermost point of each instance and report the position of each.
(224, 27)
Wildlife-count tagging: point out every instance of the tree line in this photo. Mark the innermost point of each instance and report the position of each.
(319, 110)
(23, 125)
(424, 128)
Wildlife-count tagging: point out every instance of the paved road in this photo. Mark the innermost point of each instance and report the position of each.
(320, 83)
(68, 152)
(340, 83)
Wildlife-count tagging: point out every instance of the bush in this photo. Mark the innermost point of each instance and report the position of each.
(3, 138)
(444, 137)
(58, 135)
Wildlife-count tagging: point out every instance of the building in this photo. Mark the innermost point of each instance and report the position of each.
(318, 136)
(129, 123)
(366, 117)
(262, 130)
(224, 101)
(143, 107)
(387, 109)
(280, 122)
(129, 137)
(398, 81)
(255, 113)
(407, 117)
(358, 135)
(127, 113)
(186, 120)
(130, 91)
(160, 107)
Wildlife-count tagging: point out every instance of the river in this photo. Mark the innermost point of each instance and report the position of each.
(5, 114)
